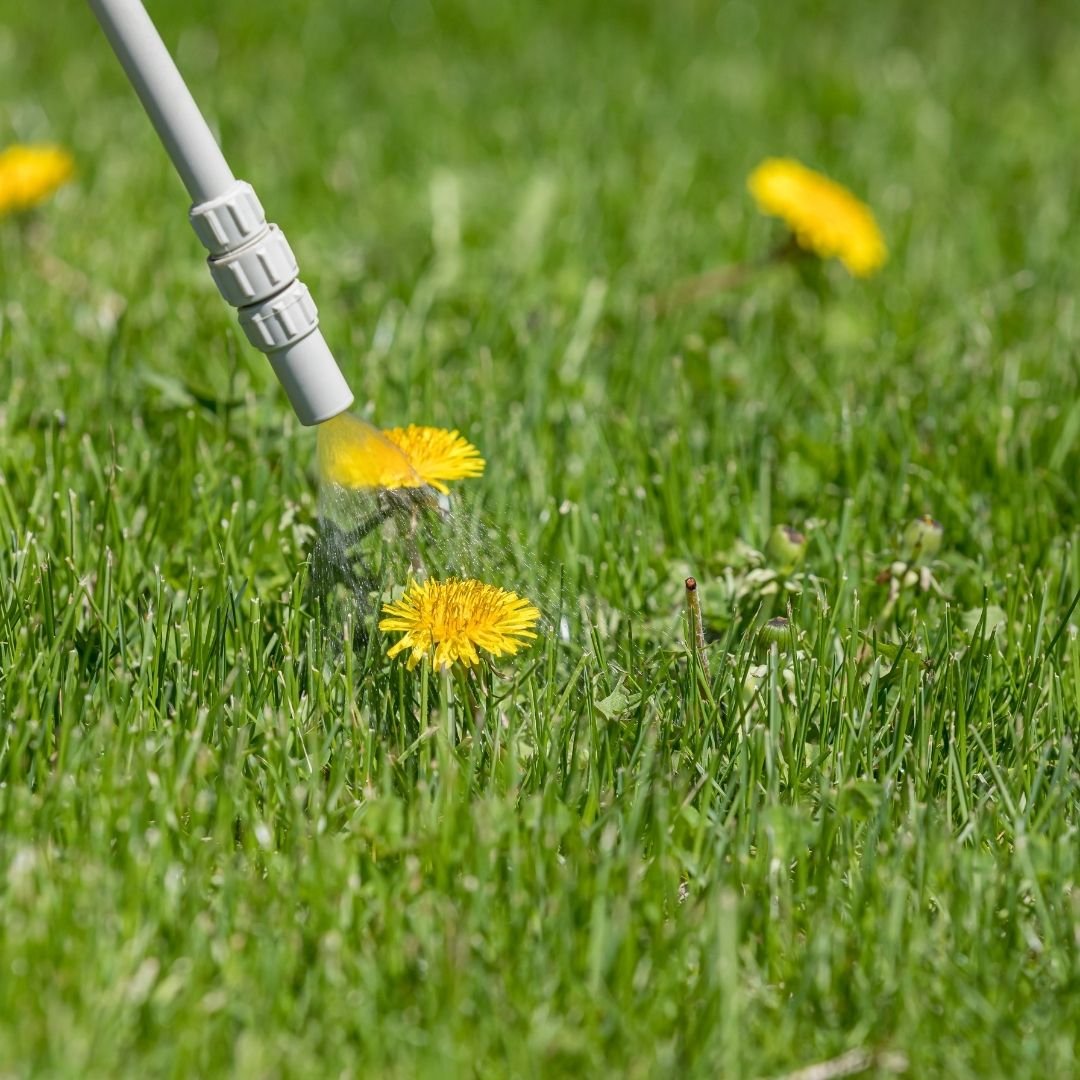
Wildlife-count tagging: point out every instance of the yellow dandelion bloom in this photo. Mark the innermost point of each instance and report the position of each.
(30, 174)
(450, 620)
(824, 216)
(353, 454)
(437, 455)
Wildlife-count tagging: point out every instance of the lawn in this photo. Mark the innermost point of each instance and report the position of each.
(237, 839)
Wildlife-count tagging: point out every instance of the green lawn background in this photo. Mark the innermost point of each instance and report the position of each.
(227, 846)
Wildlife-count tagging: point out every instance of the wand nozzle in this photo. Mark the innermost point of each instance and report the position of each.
(250, 260)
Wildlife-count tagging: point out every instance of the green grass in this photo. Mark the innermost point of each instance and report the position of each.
(229, 846)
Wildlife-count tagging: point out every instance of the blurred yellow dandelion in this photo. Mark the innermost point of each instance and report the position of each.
(30, 174)
(353, 454)
(824, 216)
(448, 621)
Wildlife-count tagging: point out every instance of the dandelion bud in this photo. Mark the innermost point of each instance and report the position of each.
(922, 539)
(776, 632)
(786, 547)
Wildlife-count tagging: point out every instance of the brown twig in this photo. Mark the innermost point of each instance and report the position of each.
(697, 629)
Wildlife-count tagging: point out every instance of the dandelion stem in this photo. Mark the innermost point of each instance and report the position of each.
(444, 702)
(719, 279)
(464, 681)
(392, 503)
(425, 676)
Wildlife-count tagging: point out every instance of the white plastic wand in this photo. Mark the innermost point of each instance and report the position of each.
(250, 260)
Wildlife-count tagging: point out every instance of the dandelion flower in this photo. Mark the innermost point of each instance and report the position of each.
(824, 216)
(353, 454)
(437, 455)
(30, 174)
(450, 620)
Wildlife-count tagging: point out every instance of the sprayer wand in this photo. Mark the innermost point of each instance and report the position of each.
(250, 260)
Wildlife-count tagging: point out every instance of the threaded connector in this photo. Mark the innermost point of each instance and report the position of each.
(230, 221)
(255, 271)
(281, 319)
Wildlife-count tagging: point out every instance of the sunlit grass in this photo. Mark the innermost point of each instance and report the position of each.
(236, 837)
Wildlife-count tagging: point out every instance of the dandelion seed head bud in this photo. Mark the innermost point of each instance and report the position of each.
(776, 632)
(922, 539)
(786, 547)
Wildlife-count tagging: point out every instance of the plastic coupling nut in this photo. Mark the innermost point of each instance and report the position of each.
(281, 320)
(230, 221)
(255, 272)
